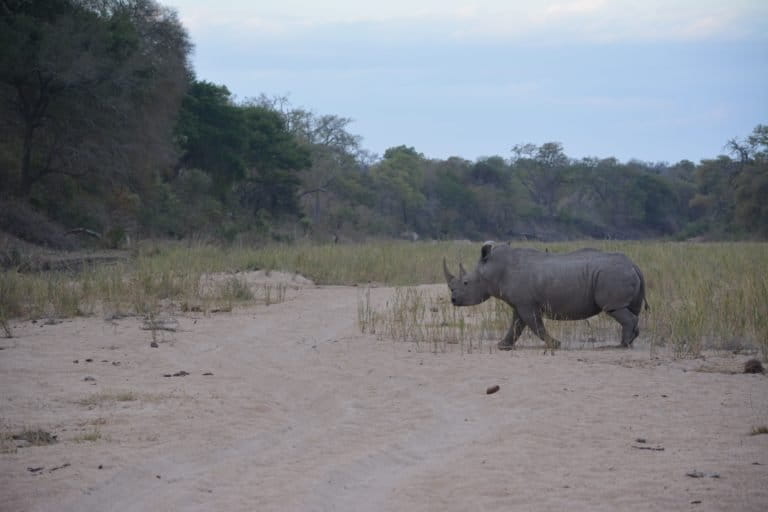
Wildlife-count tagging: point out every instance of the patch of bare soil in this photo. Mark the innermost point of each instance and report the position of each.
(287, 407)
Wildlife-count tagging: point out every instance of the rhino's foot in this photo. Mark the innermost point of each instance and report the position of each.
(551, 346)
(503, 345)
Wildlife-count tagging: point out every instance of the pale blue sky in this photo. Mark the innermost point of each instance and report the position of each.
(649, 79)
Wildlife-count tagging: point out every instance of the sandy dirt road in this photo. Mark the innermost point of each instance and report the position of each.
(303, 413)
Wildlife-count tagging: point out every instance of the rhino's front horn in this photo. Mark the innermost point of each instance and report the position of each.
(448, 275)
(462, 272)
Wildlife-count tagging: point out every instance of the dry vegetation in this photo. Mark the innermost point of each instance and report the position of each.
(96, 399)
(709, 296)
(702, 295)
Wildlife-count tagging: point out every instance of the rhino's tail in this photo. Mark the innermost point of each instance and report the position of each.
(644, 299)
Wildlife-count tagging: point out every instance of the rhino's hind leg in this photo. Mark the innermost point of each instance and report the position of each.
(514, 332)
(628, 321)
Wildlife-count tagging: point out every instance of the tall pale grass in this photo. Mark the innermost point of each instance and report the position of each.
(712, 295)
(702, 295)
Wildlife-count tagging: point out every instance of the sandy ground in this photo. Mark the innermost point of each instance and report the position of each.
(302, 412)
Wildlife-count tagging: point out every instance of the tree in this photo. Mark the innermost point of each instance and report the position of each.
(212, 135)
(334, 153)
(399, 179)
(451, 205)
(751, 183)
(542, 174)
(245, 148)
(714, 200)
(490, 171)
(273, 158)
(751, 211)
(90, 89)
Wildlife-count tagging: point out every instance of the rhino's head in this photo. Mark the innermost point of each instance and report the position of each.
(468, 288)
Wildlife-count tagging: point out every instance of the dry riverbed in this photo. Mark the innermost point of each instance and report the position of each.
(288, 407)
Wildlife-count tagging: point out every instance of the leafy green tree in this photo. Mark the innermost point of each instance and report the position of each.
(714, 200)
(751, 212)
(451, 207)
(541, 171)
(332, 183)
(246, 149)
(751, 183)
(273, 158)
(659, 203)
(90, 90)
(399, 179)
(490, 171)
(212, 135)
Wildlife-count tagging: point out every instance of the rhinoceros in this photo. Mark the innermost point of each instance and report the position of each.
(570, 286)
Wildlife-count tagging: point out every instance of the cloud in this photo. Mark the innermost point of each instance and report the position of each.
(553, 21)
(577, 6)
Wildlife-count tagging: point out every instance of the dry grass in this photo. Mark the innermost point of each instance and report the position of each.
(7, 443)
(5, 329)
(708, 295)
(366, 314)
(28, 435)
(426, 317)
(88, 437)
(107, 397)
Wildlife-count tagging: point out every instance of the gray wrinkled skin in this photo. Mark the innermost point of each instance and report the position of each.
(571, 286)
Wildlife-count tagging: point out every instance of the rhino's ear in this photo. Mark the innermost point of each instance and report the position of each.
(486, 249)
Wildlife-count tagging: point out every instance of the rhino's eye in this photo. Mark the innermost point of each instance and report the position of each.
(466, 283)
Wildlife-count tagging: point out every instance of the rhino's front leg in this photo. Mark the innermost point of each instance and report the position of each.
(514, 332)
(533, 319)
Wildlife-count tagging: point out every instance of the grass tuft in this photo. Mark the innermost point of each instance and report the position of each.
(88, 437)
(96, 399)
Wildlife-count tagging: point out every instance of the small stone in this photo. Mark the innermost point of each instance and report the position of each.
(89, 379)
(154, 344)
(493, 389)
(701, 474)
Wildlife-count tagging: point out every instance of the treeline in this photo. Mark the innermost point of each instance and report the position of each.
(104, 126)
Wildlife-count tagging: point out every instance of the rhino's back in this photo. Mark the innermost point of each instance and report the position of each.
(575, 285)
(616, 282)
